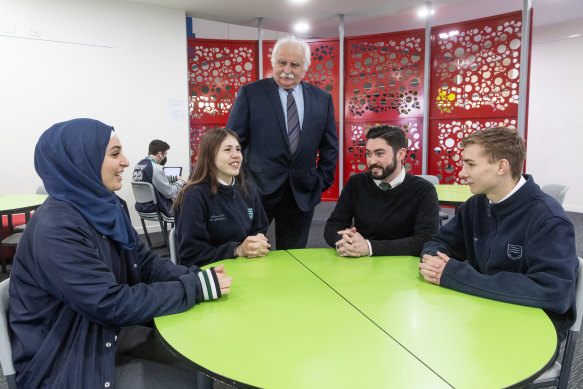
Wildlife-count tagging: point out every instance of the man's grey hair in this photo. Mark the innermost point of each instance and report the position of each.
(292, 39)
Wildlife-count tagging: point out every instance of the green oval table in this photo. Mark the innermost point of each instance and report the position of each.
(308, 318)
(11, 204)
(453, 195)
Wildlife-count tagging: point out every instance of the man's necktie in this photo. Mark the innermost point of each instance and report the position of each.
(385, 186)
(293, 122)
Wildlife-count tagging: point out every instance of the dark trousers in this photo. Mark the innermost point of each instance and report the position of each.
(143, 362)
(292, 226)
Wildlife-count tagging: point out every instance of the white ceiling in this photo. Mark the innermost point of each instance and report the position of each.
(364, 16)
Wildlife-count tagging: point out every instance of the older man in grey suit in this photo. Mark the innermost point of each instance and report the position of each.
(288, 131)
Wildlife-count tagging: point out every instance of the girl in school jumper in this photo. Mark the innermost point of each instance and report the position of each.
(81, 275)
(217, 216)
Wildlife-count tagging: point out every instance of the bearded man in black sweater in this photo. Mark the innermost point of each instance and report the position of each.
(394, 212)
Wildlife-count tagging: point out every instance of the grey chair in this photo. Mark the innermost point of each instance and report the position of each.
(557, 191)
(435, 181)
(172, 245)
(41, 190)
(5, 346)
(144, 192)
(558, 374)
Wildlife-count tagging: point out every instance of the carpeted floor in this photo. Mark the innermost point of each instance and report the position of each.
(316, 240)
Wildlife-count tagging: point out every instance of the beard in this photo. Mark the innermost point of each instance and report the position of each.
(385, 170)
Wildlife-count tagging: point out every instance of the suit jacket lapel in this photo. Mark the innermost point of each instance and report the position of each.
(273, 93)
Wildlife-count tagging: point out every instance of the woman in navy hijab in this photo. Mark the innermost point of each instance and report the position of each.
(81, 276)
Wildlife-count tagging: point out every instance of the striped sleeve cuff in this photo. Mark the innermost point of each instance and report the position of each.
(210, 284)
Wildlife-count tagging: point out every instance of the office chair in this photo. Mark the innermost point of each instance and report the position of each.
(558, 374)
(435, 181)
(144, 193)
(557, 191)
(5, 347)
(173, 248)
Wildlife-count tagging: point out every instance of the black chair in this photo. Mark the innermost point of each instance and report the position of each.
(9, 241)
(144, 192)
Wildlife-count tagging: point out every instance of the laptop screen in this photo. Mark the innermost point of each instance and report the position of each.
(173, 171)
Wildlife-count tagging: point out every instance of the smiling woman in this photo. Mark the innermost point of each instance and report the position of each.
(83, 284)
(114, 164)
(217, 216)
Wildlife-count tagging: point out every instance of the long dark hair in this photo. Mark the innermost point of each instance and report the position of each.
(205, 168)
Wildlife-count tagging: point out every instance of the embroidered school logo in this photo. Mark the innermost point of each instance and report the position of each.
(514, 252)
(217, 218)
(250, 212)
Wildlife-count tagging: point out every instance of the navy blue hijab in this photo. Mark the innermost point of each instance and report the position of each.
(68, 158)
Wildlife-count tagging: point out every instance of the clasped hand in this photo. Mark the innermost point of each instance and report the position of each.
(431, 267)
(352, 244)
(224, 279)
(253, 246)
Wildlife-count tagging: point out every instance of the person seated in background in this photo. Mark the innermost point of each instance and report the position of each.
(82, 283)
(510, 242)
(218, 216)
(150, 169)
(394, 212)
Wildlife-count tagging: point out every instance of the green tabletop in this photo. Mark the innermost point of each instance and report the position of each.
(282, 327)
(454, 195)
(17, 203)
(471, 342)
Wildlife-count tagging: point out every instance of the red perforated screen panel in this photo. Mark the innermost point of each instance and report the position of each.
(444, 153)
(355, 142)
(476, 68)
(384, 76)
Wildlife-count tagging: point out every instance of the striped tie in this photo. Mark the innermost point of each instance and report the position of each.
(293, 122)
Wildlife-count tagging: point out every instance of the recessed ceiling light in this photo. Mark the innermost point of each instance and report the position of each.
(424, 11)
(301, 26)
(298, 2)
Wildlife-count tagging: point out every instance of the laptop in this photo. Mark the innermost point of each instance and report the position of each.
(172, 172)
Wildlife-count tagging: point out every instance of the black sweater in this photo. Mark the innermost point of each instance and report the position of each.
(396, 222)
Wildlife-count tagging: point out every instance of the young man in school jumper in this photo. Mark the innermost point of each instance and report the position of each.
(287, 130)
(510, 242)
(394, 212)
(150, 170)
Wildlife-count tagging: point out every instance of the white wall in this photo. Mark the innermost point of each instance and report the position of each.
(121, 63)
(555, 129)
(208, 29)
